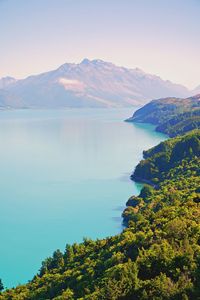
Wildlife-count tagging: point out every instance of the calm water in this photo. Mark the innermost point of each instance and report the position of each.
(64, 175)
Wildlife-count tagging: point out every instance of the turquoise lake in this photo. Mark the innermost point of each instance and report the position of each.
(64, 175)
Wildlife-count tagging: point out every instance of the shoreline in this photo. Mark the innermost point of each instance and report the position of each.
(140, 180)
(143, 181)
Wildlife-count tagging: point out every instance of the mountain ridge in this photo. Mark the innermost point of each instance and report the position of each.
(91, 83)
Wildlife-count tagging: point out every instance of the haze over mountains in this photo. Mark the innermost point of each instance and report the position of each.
(92, 83)
(6, 81)
(196, 90)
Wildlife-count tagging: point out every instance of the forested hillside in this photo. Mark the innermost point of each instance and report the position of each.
(157, 256)
(172, 116)
(159, 160)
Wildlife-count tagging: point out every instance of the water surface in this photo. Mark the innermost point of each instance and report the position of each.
(64, 175)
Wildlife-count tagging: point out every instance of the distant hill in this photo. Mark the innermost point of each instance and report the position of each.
(172, 116)
(88, 84)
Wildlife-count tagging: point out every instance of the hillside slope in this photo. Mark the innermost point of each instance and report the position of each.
(172, 116)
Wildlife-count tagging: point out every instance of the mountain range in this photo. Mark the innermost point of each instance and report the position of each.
(91, 83)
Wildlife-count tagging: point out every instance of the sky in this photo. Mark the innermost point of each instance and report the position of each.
(161, 37)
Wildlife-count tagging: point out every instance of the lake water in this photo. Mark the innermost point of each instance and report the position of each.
(64, 175)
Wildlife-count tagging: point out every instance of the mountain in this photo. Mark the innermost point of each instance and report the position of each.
(88, 84)
(172, 116)
(196, 90)
(6, 81)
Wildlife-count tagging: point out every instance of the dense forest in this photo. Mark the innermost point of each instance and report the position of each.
(172, 116)
(157, 256)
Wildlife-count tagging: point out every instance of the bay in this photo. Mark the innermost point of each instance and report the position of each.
(64, 175)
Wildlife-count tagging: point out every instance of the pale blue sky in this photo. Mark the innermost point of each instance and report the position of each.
(159, 36)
